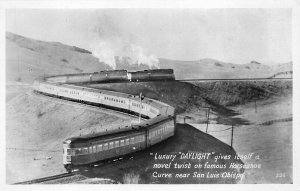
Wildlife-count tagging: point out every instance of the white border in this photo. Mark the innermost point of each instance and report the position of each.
(46, 4)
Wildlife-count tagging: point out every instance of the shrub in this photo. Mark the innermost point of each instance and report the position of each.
(81, 50)
(131, 178)
(40, 113)
(218, 64)
(64, 60)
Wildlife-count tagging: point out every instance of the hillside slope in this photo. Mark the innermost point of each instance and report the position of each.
(27, 59)
(213, 69)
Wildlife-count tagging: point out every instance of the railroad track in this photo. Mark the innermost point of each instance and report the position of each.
(235, 79)
(46, 179)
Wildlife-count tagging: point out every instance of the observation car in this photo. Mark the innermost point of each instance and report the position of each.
(90, 149)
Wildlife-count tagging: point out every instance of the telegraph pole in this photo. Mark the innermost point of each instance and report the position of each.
(231, 135)
(140, 107)
(208, 111)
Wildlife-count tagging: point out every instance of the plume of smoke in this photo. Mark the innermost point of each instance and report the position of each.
(138, 56)
(105, 54)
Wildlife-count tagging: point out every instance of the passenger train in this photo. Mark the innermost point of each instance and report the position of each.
(88, 149)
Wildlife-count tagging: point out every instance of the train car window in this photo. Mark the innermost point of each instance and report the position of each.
(73, 151)
(77, 151)
(132, 140)
(94, 149)
(116, 143)
(122, 143)
(90, 149)
(68, 151)
(81, 151)
(86, 150)
(137, 139)
(141, 138)
(105, 146)
(127, 142)
(111, 145)
(99, 148)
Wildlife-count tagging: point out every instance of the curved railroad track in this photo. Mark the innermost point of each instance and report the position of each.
(46, 179)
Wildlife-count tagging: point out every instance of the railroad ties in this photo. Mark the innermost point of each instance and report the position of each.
(46, 179)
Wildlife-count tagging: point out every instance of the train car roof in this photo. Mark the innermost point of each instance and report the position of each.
(155, 103)
(79, 74)
(120, 132)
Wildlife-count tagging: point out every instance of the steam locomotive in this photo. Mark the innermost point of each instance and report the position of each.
(115, 76)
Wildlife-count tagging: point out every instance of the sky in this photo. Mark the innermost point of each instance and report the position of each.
(230, 35)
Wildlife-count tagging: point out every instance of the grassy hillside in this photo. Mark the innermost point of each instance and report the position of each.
(27, 59)
(214, 69)
(231, 93)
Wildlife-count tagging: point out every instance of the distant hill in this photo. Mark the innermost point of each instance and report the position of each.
(27, 59)
(211, 68)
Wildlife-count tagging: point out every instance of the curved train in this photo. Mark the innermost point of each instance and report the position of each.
(89, 149)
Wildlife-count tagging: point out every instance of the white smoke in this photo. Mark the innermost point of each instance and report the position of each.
(105, 54)
(138, 56)
(106, 51)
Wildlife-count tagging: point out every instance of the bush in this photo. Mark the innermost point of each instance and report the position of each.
(40, 113)
(218, 64)
(131, 178)
(81, 50)
(64, 60)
